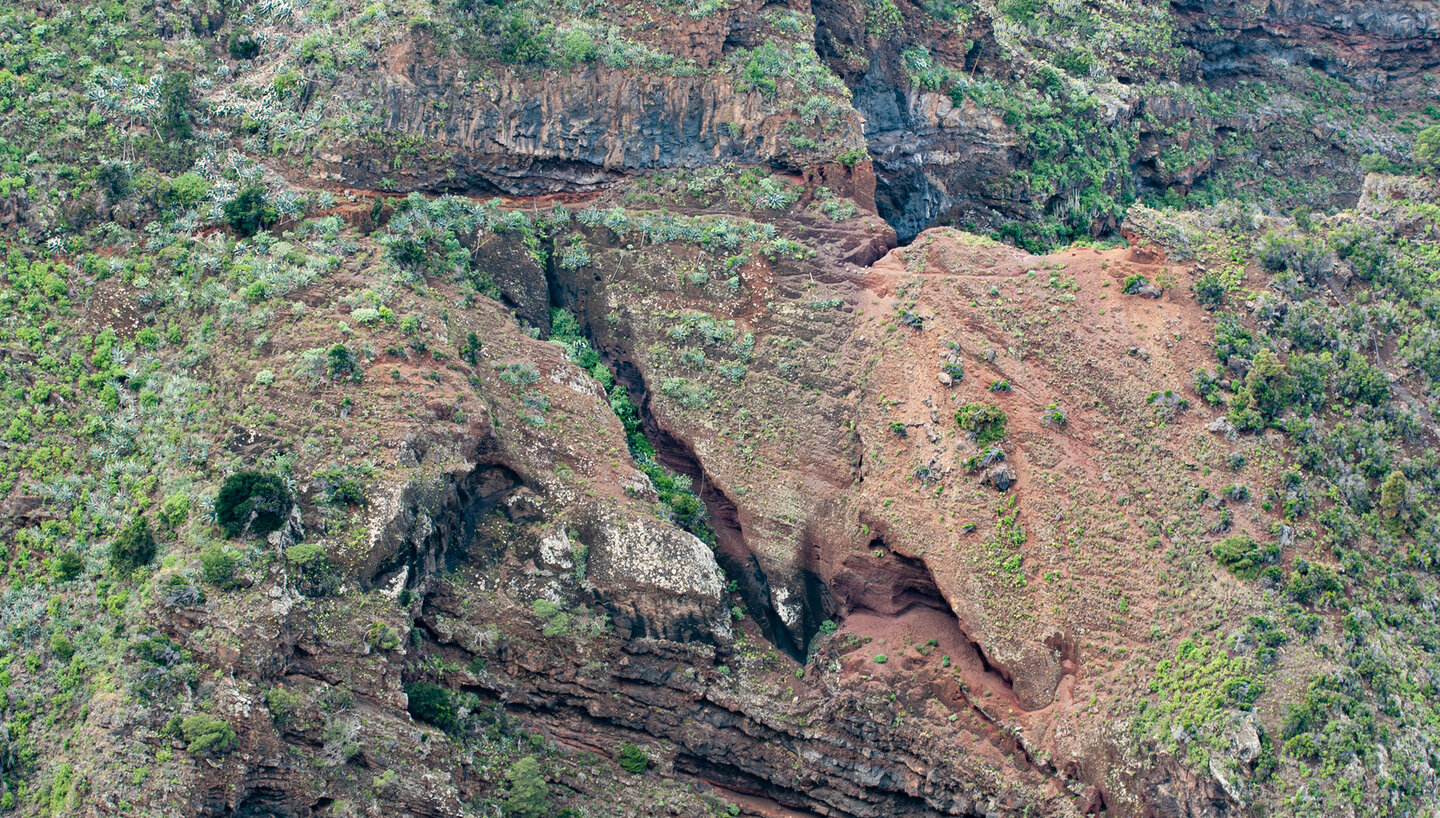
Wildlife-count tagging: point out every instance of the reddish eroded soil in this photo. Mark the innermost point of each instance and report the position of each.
(1041, 617)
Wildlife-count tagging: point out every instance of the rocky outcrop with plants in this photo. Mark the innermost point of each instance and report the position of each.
(844, 408)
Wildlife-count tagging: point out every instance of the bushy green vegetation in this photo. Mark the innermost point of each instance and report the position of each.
(434, 705)
(314, 575)
(1198, 693)
(634, 759)
(1338, 379)
(252, 502)
(1243, 556)
(1427, 149)
(248, 212)
(529, 795)
(207, 735)
(1078, 159)
(983, 420)
(133, 547)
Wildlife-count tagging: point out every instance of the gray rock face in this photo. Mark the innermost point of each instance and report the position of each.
(1001, 477)
(1362, 41)
(928, 154)
(658, 581)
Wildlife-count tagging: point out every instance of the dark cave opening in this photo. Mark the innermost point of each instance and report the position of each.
(894, 591)
(453, 523)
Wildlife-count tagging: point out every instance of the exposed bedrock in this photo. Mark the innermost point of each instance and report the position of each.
(523, 133)
(1365, 42)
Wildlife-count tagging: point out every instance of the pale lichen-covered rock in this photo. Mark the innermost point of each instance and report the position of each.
(659, 581)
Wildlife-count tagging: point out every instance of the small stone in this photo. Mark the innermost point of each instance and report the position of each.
(945, 379)
(524, 506)
(1287, 536)
(1001, 478)
(1222, 425)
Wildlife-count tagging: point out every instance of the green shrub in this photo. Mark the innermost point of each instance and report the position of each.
(633, 759)
(522, 373)
(433, 705)
(133, 547)
(1395, 496)
(383, 637)
(175, 510)
(282, 704)
(253, 501)
(850, 157)
(1021, 11)
(1053, 415)
(881, 658)
(187, 190)
(348, 492)
(529, 795)
(61, 646)
(1378, 163)
(1243, 556)
(762, 65)
(217, 565)
(248, 213)
(1427, 149)
(341, 363)
(578, 47)
(1302, 746)
(985, 421)
(1210, 290)
(66, 566)
(285, 82)
(206, 735)
(307, 554)
(174, 119)
(242, 46)
(313, 574)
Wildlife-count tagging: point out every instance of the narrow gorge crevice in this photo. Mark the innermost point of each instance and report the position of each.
(571, 291)
(906, 196)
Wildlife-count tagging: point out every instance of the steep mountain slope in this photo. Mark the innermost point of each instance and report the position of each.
(531, 409)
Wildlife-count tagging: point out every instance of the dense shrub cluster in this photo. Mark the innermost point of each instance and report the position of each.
(253, 502)
(983, 420)
(433, 704)
(1337, 369)
(133, 547)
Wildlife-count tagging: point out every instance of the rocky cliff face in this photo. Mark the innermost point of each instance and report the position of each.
(522, 132)
(963, 157)
(840, 494)
(1368, 45)
(999, 118)
(660, 431)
